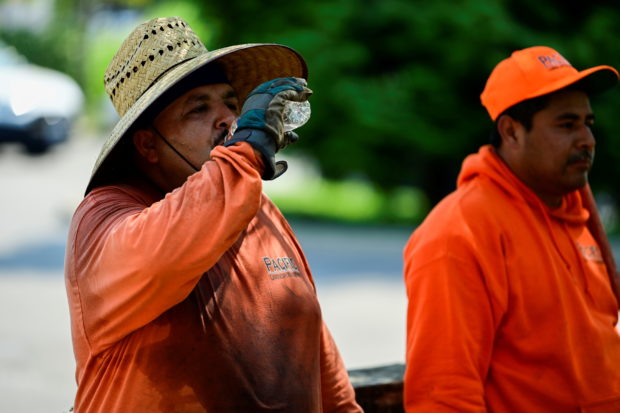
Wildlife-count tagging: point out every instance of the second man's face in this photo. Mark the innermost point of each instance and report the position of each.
(556, 155)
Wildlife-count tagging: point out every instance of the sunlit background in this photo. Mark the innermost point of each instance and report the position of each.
(395, 110)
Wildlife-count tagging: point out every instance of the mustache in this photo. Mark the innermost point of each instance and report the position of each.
(582, 156)
(221, 138)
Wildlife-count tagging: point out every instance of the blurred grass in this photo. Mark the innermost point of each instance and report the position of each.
(350, 201)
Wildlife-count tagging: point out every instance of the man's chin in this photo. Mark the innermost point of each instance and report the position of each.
(577, 183)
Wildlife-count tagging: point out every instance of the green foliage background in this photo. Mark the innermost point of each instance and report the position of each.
(396, 82)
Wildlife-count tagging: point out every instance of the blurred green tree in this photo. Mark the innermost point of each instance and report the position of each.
(397, 82)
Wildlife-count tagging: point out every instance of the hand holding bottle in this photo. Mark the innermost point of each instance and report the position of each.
(262, 119)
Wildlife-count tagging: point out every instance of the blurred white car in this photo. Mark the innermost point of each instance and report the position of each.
(37, 105)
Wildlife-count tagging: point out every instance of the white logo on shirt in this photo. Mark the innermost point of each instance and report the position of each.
(281, 267)
(590, 252)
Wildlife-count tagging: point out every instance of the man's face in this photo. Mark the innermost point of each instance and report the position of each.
(555, 156)
(194, 124)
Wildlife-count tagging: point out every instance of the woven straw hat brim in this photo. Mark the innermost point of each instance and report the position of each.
(246, 66)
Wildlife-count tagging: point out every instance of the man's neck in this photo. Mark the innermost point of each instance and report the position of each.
(553, 201)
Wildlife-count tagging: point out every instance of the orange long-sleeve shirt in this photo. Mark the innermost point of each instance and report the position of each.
(198, 302)
(510, 306)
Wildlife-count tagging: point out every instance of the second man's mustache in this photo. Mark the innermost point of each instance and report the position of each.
(582, 156)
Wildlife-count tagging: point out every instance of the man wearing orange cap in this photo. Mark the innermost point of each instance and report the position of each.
(188, 291)
(510, 279)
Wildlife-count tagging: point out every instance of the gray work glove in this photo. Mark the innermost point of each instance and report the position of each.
(261, 124)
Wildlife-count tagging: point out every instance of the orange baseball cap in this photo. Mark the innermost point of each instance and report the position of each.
(537, 71)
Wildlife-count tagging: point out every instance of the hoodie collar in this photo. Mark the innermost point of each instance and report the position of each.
(488, 164)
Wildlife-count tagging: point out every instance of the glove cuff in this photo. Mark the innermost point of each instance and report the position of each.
(266, 146)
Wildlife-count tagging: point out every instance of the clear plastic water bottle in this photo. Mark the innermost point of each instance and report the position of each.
(295, 114)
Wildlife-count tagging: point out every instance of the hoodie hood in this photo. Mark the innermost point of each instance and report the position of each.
(486, 163)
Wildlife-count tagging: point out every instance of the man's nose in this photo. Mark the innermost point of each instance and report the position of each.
(225, 117)
(586, 138)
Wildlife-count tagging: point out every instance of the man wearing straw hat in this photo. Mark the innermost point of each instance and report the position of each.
(512, 287)
(188, 291)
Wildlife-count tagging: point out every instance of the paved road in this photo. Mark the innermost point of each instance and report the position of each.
(357, 271)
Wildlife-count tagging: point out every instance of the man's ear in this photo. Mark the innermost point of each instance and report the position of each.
(509, 129)
(144, 141)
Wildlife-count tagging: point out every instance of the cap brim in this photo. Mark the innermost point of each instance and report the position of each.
(246, 66)
(594, 80)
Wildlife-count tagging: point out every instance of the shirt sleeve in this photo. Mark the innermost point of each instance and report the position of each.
(450, 334)
(131, 262)
(336, 390)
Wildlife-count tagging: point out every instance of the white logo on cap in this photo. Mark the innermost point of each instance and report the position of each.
(554, 61)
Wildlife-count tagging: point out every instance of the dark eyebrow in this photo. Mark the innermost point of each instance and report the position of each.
(230, 94)
(203, 97)
(574, 116)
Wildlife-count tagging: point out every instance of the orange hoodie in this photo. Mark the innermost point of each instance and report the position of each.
(510, 306)
(198, 302)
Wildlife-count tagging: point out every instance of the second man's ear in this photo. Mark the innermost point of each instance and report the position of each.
(144, 141)
(509, 129)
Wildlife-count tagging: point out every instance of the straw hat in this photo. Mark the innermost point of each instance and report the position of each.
(161, 52)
